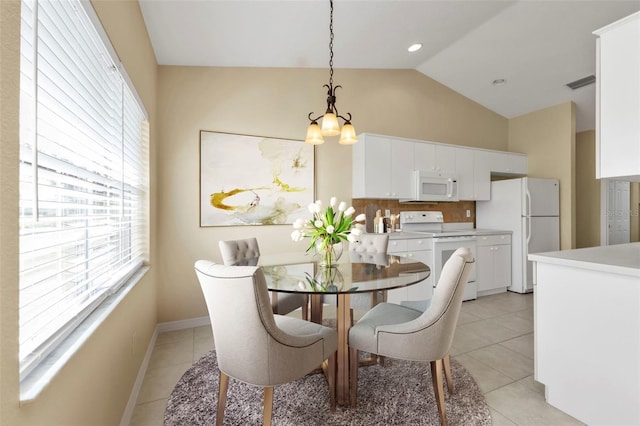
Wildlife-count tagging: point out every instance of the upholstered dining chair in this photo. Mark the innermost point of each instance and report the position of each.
(400, 332)
(246, 253)
(370, 243)
(240, 252)
(252, 344)
(369, 247)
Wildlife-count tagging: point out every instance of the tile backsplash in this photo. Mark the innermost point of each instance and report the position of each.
(452, 212)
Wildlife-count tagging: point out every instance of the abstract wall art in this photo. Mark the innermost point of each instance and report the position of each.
(254, 180)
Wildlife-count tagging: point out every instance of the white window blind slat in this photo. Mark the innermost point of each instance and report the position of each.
(83, 174)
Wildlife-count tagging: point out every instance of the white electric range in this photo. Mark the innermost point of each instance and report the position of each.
(447, 238)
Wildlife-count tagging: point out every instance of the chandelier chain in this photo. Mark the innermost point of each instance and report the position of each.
(331, 44)
(330, 123)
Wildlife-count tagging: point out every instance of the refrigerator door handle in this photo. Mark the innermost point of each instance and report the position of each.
(528, 219)
(527, 207)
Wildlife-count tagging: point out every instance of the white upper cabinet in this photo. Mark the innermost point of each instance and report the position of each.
(402, 155)
(618, 99)
(382, 167)
(507, 163)
(445, 159)
(425, 156)
(434, 157)
(464, 172)
(482, 175)
(474, 168)
(371, 167)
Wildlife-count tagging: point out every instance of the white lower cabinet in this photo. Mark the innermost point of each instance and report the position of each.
(493, 265)
(419, 249)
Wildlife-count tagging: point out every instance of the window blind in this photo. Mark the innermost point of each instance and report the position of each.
(83, 174)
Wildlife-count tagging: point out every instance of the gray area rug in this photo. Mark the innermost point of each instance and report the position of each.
(400, 393)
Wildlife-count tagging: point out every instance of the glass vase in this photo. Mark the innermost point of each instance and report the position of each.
(328, 280)
(329, 253)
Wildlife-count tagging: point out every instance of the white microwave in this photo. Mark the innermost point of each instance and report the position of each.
(429, 186)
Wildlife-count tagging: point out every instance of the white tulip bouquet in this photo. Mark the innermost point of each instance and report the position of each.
(328, 227)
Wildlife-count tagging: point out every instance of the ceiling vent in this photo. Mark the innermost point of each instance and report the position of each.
(582, 82)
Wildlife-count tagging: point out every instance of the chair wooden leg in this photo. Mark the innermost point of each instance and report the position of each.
(331, 379)
(268, 405)
(223, 384)
(436, 376)
(354, 363)
(305, 307)
(447, 373)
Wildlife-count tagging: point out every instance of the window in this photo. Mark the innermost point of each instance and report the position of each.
(83, 174)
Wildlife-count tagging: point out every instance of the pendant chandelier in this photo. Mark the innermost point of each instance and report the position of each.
(330, 124)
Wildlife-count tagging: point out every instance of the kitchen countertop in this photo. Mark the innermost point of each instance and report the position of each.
(620, 258)
(414, 235)
(483, 231)
(407, 235)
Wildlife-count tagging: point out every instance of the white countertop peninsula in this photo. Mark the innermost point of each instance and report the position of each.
(587, 332)
(619, 259)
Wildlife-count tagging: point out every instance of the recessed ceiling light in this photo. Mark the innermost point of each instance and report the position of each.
(499, 82)
(414, 47)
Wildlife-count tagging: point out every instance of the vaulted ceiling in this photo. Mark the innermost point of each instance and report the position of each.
(536, 46)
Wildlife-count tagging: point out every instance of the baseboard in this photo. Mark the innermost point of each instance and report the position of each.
(182, 324)
(137, 385)
(160, 328)
(492, 291)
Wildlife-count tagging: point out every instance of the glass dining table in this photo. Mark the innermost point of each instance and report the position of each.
(355, 273)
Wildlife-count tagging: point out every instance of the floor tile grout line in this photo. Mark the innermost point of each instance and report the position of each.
(501, 372)
(490, 344)
(151, 401)
(501, 413)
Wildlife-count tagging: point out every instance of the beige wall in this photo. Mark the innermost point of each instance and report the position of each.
(275, 102)
(94, 386)
(588, 195)
(548, 137)
(269, 102)
(587, 191)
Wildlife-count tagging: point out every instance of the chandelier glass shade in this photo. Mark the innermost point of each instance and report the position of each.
(330, 119)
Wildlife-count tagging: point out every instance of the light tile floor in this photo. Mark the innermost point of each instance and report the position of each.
(494, 342)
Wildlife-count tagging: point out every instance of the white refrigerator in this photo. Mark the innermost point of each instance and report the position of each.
(530, 208)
